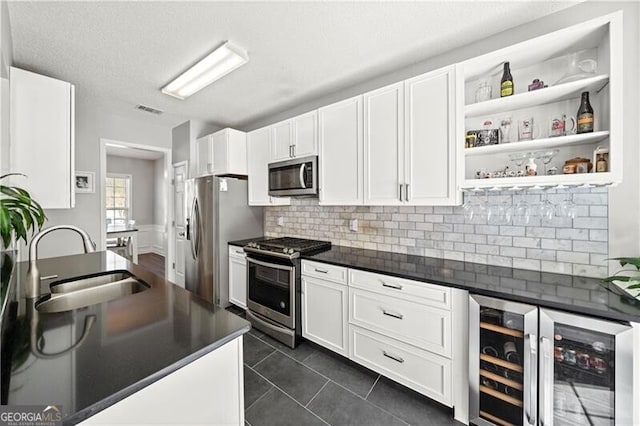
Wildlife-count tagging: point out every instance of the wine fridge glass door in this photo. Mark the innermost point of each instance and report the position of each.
(585, 368)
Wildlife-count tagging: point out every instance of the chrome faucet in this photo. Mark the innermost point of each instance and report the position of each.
(32, 281)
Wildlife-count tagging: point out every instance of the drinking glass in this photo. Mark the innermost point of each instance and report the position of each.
(522, 211)
(505, 126)
(546, 208)
(567, 208)
(546, 157)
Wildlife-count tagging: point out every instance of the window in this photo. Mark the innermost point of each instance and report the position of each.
(118, 193)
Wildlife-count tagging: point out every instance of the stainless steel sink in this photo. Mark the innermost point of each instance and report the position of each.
(89, 281)
(89, 290)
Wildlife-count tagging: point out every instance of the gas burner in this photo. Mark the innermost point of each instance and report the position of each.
(288, 247)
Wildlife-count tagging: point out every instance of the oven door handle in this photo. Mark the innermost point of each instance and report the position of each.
(270, 265)
(266, 324)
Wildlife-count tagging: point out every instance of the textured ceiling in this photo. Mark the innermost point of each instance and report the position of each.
(119, 54)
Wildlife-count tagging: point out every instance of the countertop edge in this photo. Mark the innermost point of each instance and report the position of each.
(611, 316)
(105, 403)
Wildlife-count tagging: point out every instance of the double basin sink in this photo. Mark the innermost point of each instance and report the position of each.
(87, 290)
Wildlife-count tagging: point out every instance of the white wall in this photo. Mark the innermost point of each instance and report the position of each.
(6, 59)
(624, 200)
(143, 186)
(93, 123)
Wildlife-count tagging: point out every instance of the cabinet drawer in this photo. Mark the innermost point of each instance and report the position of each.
(325, 271)
(419, 370)
(429, 294)
(423, 326)
(236, 251)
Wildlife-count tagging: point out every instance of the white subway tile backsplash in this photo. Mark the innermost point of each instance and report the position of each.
(560, 245)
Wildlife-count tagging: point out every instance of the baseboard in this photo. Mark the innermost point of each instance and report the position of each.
(152, 239)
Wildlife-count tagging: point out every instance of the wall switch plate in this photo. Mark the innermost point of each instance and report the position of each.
(223, 185)
(280, 221)
(353, 225)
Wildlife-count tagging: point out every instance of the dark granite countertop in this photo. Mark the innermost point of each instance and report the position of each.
(135, 340)
(242, 243)
(581, 295)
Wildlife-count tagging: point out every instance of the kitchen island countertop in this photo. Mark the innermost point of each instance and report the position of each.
(135, 340)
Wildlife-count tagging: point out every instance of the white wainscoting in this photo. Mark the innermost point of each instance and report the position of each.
(152, 239)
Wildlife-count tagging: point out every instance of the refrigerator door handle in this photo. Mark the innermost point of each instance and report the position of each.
(531, 375)
(546, 381)
(194, 230)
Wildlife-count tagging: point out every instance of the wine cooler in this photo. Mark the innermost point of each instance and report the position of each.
(535, 366)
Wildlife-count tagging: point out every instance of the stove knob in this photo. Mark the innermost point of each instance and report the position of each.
(284, 250)
(291, 251)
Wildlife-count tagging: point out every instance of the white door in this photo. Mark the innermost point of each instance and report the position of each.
(340, 134)
(281, 141)
(305, 137)
(384, 145)
(430, 145)
(179, 177)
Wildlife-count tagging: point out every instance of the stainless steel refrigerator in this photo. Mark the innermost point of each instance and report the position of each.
(216, 211)
(537, 366)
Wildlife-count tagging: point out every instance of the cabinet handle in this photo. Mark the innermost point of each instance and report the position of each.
(391, 314)
(239, 252)
(400, 196)
(406, 192)
(393, 286)
(181, 234)
(321, 271)
(393, 357)
(530, 392)
(546, 383)
(293, 149)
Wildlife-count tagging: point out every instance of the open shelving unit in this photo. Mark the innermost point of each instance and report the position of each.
(546, 58)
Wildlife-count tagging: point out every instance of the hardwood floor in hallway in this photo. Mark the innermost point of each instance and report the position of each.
(153, 262)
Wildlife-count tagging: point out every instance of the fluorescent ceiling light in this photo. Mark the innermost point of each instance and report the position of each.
(214, 66)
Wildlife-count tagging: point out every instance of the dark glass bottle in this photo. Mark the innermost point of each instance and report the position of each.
(585, 115)
(506, 83)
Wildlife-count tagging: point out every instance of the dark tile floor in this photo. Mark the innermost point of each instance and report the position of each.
(313, 386)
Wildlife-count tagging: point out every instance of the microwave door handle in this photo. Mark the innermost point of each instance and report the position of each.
(302, 168)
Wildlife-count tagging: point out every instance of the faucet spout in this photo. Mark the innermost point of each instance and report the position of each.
(32, 281)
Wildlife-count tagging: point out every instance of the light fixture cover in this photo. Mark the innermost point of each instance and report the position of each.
(214, 66)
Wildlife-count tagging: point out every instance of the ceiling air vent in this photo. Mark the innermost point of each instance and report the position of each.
(148, 109)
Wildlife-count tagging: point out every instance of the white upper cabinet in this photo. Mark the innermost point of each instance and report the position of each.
(384, 145)
(430, 139)
(43, 137)
(296, 137)
(583, 58)
(341, 153)
(409, 142)
(258, 150)
(222, 153)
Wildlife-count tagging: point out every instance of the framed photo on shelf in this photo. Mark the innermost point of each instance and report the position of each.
(85, 182)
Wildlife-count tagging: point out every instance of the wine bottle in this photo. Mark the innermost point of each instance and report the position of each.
(585, 115)
(506, 83)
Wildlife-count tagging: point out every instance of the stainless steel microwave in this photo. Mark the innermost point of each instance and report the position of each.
(297, 177)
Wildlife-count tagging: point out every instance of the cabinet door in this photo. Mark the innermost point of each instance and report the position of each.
(205, 153)
(340, 131)
(281, 141)
(237, 277)
(220, 151)
(383, 145)
(305, 134)
(320, 297)
(42, 135)
(258, 171)
(430, 146)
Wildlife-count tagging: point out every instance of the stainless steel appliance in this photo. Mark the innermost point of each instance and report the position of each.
(273, 285)
(530, 366)
(297, 177)
(216, 212)
(122, 246)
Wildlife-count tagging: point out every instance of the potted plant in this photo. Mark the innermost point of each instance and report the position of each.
(629, 276)
(19, 213)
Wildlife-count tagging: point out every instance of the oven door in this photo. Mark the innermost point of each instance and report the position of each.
(271, 290)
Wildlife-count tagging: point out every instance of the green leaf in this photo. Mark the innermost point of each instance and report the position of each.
(618, 278)
(633, 286)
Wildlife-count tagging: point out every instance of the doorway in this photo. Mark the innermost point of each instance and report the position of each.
(136, 204)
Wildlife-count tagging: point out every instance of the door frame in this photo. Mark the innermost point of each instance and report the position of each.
(168, 189)
(184, 163)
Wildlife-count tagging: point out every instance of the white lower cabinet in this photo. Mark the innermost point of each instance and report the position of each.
(237, 277)
(415, 368)
(324, 314)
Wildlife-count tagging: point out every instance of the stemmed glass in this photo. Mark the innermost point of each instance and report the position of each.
(567, 208)
(522, 210)
(546, 157)
(546, 208)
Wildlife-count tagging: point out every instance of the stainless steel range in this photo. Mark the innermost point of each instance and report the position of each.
(273, 285)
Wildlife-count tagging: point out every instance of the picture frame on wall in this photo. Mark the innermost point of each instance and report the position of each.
(85, 182)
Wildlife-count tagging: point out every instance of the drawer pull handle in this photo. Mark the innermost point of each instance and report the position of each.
(394, 286)
(391, 314)
(321, 271)
(239, 252)
(393, 357)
